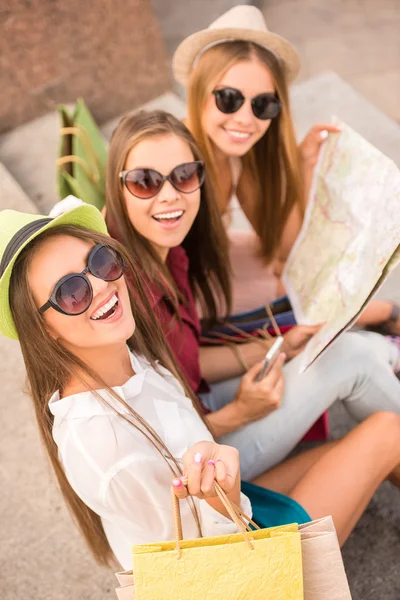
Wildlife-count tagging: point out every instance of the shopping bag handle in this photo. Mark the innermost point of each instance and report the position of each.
(78, 160)
(273, 320)
(218, 338)
(241, 520)
(82, 134)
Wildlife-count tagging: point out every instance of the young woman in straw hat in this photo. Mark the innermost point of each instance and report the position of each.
(237, 75)
(159, 204)
(118, 425)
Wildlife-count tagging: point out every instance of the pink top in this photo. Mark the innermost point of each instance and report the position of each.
(253, 283)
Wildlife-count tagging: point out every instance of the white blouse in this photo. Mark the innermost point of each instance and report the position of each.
(118, 473)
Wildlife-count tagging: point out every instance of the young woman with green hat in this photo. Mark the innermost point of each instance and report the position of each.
(117, 423)
(237, 74)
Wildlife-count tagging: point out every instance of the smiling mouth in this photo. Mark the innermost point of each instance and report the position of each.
(168, 217)
(107, 310)
(239, 135)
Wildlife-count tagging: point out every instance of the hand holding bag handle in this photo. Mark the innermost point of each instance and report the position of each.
(236, 514)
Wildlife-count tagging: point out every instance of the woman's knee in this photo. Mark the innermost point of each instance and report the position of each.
(386, 428)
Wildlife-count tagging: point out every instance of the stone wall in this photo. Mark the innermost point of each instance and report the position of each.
(51, 51)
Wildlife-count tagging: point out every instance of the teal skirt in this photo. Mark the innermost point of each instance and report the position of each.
(271, 509)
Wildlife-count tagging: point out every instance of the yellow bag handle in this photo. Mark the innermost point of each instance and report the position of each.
(71, 158)
(82, 134)
(240, 519)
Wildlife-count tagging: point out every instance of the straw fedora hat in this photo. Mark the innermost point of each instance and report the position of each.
(17, 230)
(240, 23)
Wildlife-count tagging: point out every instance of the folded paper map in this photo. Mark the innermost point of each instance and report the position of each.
(350, 239)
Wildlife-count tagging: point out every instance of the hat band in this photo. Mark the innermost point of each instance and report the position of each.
(19, 239)
(218, 42)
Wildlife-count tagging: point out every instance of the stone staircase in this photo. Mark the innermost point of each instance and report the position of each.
(37, 533)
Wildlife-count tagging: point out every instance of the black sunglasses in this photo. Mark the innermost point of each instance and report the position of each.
(73, 294)
(264, 106)
(146, 183)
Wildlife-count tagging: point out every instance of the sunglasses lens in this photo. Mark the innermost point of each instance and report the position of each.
(73, 296)
(106, 264)
(188, 177)
(266, 106)
(228, 100)
(143, 183)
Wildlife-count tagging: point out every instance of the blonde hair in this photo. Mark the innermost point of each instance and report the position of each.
(273, 163)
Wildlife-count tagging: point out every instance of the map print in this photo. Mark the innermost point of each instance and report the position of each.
(350, 237)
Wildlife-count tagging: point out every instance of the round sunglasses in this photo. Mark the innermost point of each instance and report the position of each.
(73, 294)
(264, 106)
(146, 183)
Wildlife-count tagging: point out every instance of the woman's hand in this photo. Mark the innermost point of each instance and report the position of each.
(204, 463)
(256, 399)
(296, 338)
(311, 145)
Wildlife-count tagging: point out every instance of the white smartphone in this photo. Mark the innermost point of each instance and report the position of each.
(271, 357)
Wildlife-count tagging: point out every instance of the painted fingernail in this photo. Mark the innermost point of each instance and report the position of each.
(211, 462)
(219, 460)
(176, 483)
(197, 458)
(323, 135)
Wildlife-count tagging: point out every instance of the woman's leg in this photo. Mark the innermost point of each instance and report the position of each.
(378, 312)
(284, 477)
(349, 371)
(382, 347)
(342, 482)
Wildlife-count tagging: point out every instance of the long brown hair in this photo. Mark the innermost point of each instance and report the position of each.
(205, 244)
(49, 366)
(273, 162)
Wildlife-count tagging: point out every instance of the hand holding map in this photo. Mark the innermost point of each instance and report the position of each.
(350, 238)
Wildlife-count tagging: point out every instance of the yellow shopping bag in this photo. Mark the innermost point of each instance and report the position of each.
(256, 565)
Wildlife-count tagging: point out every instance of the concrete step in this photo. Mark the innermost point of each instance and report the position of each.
(318, 99)
(29, 153)
(12, 195)
(169, 102)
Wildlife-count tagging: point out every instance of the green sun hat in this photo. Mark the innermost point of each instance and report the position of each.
(17, 229)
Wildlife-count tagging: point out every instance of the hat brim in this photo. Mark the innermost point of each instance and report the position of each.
(185, 54)
(82, 216)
